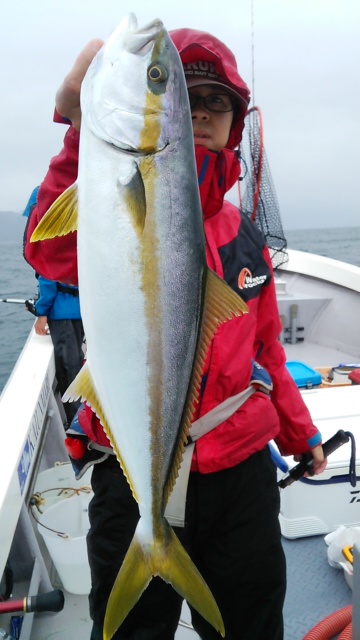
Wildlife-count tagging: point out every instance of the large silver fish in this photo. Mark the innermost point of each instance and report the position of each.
(150, 306)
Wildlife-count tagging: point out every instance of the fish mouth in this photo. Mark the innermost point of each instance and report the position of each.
(140, 41)
(134, 152)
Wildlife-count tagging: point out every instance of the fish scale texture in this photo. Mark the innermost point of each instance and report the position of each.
(315, 589)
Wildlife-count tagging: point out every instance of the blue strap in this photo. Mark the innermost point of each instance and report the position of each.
(277, 459)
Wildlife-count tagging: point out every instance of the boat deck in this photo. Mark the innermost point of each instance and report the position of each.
(315, 590)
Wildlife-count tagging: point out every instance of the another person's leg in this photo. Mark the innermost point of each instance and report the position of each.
(67, 338)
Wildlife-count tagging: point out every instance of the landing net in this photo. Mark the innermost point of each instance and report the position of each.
(257, 192)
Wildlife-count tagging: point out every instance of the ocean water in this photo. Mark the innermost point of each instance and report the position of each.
(17, 280)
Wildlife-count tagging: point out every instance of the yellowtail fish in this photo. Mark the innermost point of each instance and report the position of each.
(150, 306)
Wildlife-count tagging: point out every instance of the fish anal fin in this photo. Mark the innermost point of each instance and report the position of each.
(60, 219)
(165, 557)
(221, 304)
(82, 388)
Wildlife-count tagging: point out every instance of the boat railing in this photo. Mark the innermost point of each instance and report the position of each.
(32, 427)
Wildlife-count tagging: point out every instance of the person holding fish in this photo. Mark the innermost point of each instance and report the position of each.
(182, 338)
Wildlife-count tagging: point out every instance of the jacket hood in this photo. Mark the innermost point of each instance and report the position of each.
(195, 46)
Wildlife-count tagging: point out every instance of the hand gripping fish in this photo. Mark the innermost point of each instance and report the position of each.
(141, 258)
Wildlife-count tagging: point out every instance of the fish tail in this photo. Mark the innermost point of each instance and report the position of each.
(167, 558)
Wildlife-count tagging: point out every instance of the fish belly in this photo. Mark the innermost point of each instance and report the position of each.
(112, 308)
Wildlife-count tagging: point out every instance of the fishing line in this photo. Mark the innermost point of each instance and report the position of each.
(252, 52)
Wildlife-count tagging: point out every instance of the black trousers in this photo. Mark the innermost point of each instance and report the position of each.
(232, 534)
(67, 337)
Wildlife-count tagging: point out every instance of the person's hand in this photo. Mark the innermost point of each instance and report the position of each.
(67, 99)
(40, 326)
(319, 462)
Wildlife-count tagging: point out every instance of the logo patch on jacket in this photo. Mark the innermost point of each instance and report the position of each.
(247, 281)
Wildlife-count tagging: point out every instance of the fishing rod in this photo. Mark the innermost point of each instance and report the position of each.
(29, 304)
(51, 601)
(306, 464)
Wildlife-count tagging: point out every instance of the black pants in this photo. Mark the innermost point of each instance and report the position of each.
(233, 536)
(67, 337)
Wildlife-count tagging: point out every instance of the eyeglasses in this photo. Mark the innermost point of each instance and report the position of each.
(221, 102)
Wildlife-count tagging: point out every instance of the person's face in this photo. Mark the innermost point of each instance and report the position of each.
(211, 128)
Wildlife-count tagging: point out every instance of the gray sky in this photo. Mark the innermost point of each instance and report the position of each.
(306, 82)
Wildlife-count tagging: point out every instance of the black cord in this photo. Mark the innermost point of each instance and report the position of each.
(9, 583)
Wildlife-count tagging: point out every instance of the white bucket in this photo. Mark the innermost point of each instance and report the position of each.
(69, 553)
(57, 483)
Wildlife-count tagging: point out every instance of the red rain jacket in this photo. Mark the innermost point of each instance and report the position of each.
(236, 251)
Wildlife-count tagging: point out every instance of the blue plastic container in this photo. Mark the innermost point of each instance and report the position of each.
(304, 376)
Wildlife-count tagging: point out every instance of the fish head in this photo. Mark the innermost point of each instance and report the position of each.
(134, 93)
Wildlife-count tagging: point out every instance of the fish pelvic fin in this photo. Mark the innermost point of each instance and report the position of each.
(166, 558)
(60, 219)
(82, 387)
(221, 303)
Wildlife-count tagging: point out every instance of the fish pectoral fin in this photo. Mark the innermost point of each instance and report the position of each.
(60, 219)
(166, 558)
(132, 190)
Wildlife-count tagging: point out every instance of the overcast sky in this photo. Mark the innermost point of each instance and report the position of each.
(306, 81)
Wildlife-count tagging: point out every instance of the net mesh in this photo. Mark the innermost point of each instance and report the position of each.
(257, 192)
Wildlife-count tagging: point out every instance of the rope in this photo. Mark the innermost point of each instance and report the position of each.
(352, 466)
(36, 501)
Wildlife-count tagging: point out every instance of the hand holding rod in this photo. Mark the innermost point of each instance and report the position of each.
(306, 463)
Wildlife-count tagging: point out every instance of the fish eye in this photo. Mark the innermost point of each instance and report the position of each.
(157, 73)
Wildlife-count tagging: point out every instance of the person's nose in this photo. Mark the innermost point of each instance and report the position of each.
(200, 112)
(199, 109)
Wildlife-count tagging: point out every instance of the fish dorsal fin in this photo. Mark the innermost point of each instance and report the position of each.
(61, 218)
(82, 388)
(221, 304)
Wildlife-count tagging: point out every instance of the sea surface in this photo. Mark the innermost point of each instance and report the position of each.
(17, 280)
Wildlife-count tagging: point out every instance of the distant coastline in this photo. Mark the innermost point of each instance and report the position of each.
(340, 243)
(12, 227)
